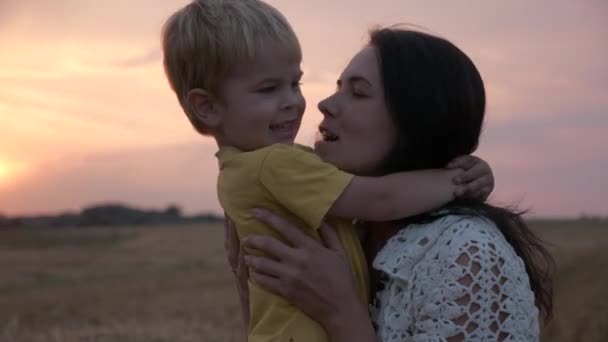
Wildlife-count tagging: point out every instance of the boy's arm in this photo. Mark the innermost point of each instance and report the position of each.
(396, 195)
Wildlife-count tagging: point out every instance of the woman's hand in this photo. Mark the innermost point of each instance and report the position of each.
(477, 180)
(235, 253)
(318, 280)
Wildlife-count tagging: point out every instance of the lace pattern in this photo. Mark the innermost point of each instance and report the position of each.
(455, 279)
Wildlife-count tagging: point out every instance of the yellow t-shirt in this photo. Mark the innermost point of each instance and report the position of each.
(293, 182)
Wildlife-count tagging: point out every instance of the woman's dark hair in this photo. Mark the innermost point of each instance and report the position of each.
(437, 100)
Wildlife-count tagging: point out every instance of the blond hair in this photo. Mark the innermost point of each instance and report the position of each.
(203, 41)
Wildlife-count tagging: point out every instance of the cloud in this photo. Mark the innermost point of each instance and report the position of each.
(84, 77)
(153, 56)
(560, 188)
(97, 20)
(8, 8)
(186, 174)
(554, 165)
(149, 177)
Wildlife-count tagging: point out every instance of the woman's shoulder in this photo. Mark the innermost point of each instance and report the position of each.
(456, 227)
(446, 237)
(456, 230)
(469, 229)
(456, 266)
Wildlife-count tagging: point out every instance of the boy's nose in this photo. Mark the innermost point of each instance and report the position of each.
(293, 101)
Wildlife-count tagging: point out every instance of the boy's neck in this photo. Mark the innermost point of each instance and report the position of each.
(222, 142)
(220, 139)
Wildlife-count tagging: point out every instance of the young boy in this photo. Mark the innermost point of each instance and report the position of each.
(235, 68)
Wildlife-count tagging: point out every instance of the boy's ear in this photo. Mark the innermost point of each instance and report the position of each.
(204, 107)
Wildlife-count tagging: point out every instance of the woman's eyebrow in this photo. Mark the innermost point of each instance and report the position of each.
(354, 79)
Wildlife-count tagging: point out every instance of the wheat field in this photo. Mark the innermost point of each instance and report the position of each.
(171, 283)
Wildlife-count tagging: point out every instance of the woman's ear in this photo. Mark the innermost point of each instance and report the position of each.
(204, 107)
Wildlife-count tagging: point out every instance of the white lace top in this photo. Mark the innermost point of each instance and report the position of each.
(455, 279)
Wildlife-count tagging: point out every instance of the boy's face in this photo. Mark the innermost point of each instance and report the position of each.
(261, 102)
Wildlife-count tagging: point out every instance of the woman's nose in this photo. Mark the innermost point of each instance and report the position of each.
(328, 107)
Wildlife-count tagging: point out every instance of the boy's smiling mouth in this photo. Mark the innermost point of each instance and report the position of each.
(285, 130)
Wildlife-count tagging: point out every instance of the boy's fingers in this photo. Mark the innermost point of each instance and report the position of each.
(472, 173)
(484, 193)
(477, 184)
(456, 162)
(464, 162)
(457, 180)
(479, 192)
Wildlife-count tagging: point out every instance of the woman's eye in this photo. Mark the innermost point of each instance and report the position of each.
(268, 89)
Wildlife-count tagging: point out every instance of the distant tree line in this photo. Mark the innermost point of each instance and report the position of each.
(108, 215)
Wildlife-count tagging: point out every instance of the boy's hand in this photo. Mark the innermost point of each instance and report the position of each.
(477, 180)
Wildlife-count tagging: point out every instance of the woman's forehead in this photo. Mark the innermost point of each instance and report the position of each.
(363, 65)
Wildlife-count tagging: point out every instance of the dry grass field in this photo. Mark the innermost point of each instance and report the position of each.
(172, 284)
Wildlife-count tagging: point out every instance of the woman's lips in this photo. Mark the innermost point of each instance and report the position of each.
(328, 135)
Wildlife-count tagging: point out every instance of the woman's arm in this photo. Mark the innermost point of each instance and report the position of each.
(315, 278)
(235, 254)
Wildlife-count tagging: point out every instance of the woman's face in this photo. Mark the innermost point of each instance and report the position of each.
(357, 131)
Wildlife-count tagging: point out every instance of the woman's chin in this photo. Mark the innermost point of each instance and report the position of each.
(324, 149)
(333, 152)
(329, 151)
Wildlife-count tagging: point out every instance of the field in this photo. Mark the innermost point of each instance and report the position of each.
(173, 284)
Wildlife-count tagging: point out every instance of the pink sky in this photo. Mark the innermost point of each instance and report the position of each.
(86, 115)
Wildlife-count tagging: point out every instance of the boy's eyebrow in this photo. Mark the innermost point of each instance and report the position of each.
(277, 79)
(269, 80)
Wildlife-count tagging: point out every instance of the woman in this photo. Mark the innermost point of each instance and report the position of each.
(469, 271)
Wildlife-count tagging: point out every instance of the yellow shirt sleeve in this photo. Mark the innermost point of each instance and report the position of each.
(302, 183)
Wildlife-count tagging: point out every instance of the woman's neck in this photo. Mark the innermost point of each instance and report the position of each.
(376, 236)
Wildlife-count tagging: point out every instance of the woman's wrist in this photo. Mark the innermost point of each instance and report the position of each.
(352, 324)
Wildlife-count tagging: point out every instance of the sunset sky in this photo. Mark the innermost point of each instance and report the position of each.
(86, 115)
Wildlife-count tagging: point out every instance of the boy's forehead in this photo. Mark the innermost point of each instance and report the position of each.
(267, 63)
